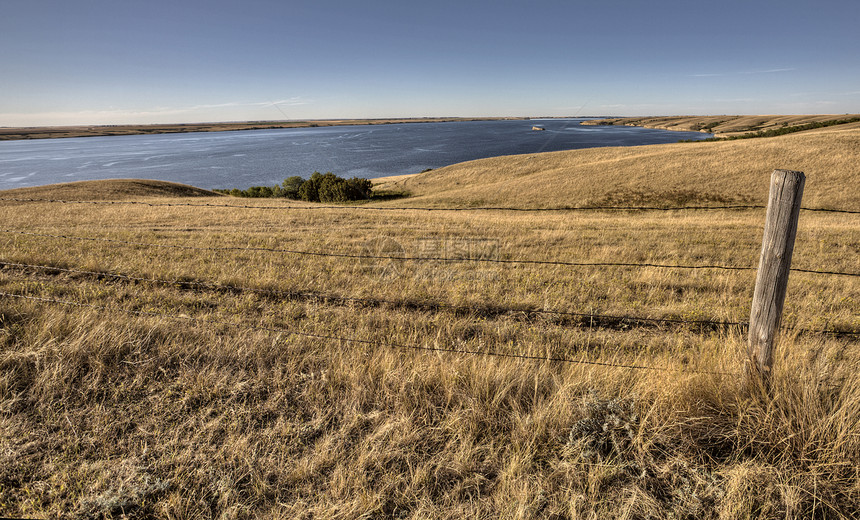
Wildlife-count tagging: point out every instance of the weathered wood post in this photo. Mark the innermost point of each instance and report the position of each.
(780, 228)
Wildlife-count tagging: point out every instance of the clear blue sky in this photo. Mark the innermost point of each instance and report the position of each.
(134, 61)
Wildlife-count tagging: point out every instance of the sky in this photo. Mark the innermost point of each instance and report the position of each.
(68, 62)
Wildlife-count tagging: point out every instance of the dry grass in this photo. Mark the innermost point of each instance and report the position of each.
(117, 189)
(108, 413)
(692, 173)
(721, 125)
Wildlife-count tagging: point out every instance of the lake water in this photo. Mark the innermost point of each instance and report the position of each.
(266, 157)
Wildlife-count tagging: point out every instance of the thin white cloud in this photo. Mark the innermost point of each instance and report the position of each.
(113, 115)
(768, 71)
(295, 101)
(84, 115)
(740, 73)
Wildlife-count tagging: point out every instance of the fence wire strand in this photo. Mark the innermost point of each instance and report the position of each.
(407, 208)
(384, 344)
(345, 339)
(412, 258)
(431, 305)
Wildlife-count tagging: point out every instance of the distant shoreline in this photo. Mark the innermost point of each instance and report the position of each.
(55, 132)
(723, 125)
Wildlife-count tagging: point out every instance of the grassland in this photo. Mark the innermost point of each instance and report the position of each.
(672, 174)
(722, 126)
(187, 397)
(51, 132)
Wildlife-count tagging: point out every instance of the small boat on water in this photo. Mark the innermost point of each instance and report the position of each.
(538, 128)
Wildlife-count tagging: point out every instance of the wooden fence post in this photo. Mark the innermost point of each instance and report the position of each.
(780, 228)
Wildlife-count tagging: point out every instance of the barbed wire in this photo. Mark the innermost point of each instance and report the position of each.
(367, 300)
(412, 258)
(496, 310)
(830, 210)
(417, 208)
(345, 339)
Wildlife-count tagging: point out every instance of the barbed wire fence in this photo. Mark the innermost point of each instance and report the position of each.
(349, 339)
(365, 207)
(361, 256)
(591, 318)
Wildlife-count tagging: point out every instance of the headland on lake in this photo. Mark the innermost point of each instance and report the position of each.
(729, 126)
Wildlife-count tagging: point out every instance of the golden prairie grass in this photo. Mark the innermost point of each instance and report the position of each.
(723, 125)
(693, 173)
(175, 400)
(114, 189)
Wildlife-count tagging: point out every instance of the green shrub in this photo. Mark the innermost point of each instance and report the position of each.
(291, 187)
(320, 187)
(359, 188)
(333, 189)
(309, 190)
(259, 192)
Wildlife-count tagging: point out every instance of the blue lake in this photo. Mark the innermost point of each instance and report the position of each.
(266, 157)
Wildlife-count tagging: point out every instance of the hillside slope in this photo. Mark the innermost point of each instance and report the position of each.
(711, 172)
(721, 125)
(113, 189)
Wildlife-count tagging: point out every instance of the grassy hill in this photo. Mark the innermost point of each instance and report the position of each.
(693, 173)
(723, 125)
(201, 361)
(114, 189)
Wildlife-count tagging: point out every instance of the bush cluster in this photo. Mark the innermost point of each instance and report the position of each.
(320, 187)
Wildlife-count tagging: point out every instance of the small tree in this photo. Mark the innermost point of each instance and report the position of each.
(333, 189)
(359, 189)
(309, 190)
(320, 187)
(291, 186)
